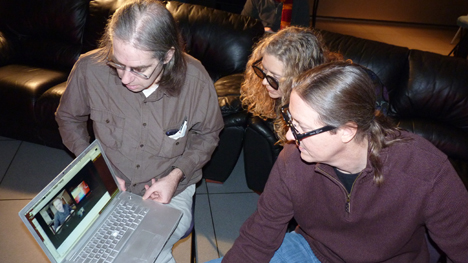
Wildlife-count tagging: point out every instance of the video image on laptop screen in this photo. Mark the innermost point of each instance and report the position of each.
(60, 215)
(58, 212)
(66, 210)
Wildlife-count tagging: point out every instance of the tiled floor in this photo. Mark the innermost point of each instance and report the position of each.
(25, 168)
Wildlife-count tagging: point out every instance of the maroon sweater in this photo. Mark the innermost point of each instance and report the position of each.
(379, 224)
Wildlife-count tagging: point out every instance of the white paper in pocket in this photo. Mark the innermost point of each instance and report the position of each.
(181, 132)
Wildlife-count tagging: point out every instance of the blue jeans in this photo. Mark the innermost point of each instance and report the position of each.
(294, 249)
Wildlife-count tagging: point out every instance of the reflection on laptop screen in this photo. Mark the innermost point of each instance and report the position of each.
(70, 206)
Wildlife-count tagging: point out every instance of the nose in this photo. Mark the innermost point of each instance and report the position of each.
(289, 135)
(126, 76)
(265, 82)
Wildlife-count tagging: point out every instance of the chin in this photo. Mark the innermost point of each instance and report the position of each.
(134, 89)
(274, 96)
(307, 158)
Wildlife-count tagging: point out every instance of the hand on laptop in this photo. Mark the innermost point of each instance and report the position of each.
(121, 183)
(163, 189)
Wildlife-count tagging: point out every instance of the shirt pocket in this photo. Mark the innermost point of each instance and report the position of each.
(108, 128)
(171, 148)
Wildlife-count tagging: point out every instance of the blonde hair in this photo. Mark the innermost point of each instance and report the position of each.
(299, 49)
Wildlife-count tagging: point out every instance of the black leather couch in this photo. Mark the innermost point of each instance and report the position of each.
(41, 40)
(428, 96)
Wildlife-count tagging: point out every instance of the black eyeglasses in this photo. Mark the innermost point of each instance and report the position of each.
(299, 136)
(259, 72)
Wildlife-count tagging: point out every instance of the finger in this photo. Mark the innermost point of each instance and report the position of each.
(147, 193)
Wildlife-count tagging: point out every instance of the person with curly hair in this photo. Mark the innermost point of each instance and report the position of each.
(274, 62)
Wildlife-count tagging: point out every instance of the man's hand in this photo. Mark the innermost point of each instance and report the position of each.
(163, 189)
(121, 183)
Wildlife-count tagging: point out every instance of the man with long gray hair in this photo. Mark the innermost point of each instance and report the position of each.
(154, 109)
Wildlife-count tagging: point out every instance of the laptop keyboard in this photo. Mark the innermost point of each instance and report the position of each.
(110, 238)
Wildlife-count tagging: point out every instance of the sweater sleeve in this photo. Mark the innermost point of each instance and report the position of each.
(262, 234)
(447, 214)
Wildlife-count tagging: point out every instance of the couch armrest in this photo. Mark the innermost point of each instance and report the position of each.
(260, 152)
(228, 90)
(225, 156)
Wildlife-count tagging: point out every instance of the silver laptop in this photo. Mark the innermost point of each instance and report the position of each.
(84, 204)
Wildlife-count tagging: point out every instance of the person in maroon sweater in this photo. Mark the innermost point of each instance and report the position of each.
(360, 189)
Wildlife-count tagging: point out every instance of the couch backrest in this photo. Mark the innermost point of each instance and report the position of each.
(45, 32)
(437, 89)
(99, 13)
(222, 41)
(389, 62)
(436, 100)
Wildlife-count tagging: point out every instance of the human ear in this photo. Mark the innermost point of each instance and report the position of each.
(348, 132)
(169, 55)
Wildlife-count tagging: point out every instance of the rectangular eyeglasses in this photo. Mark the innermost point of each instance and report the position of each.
(300, 136)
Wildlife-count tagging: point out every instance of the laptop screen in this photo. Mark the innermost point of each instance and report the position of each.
(72, 202)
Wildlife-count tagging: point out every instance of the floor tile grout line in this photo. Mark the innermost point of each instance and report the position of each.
(212, 220)
(11, 162)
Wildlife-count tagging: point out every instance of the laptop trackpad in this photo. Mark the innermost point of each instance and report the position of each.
(141, 247)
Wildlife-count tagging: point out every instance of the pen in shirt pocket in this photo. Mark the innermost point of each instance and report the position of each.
(174, 131)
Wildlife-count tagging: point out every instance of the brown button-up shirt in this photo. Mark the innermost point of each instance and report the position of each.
(132, 128)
